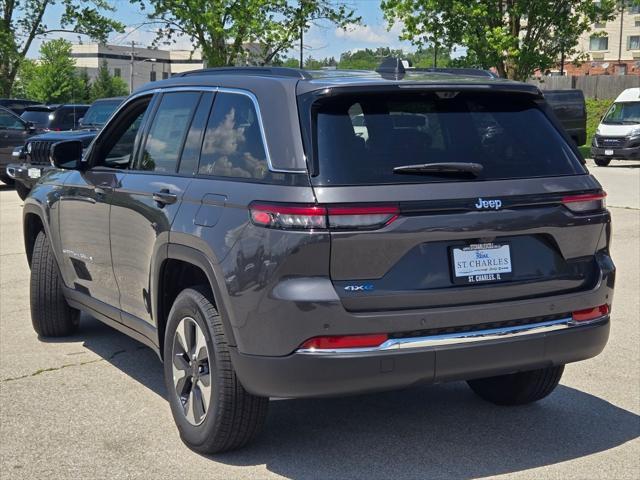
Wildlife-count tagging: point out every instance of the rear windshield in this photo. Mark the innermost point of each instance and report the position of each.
(623, 113)
(360, 139)
(38, 117)
(99, 113)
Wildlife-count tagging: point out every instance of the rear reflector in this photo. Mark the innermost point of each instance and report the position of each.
(590, 313)
(307, 217)
(345, 341)
(590, 202)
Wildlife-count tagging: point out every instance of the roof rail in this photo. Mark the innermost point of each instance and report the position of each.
(262, 71)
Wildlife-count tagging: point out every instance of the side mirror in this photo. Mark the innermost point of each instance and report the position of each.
(67, 154)
(80, 121)
(30, 126)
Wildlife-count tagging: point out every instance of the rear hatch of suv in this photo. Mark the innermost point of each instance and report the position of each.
(450, 197)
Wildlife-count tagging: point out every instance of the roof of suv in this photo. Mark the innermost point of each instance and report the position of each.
(56, 106)
(304, 81)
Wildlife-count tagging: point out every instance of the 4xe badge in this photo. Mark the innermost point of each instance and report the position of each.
(488, 204)
(365, 287)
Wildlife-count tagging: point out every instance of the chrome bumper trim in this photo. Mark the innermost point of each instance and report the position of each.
(446, 339)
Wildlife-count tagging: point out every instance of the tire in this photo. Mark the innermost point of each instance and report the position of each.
(602, 162)
(518, 388)
(51, 315)
(232, 417)
(7, 179)
(22, 190)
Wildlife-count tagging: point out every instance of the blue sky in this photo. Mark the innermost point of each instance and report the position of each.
(321, 41)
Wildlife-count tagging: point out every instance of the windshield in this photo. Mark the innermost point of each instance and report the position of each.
(623, 113)
(361, 139)
(99, 113)
(37, 117)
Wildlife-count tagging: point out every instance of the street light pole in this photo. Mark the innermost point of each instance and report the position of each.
(133, 45)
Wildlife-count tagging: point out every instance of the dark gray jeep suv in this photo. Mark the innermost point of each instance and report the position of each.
(278, 233)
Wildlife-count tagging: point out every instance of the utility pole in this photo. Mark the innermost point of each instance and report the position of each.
(301, 7)
(133, 52)
(301, 46)
(620, 44)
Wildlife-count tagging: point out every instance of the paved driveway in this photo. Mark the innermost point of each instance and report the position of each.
(93, 406)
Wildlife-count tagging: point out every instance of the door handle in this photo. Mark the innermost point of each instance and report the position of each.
(164, 197)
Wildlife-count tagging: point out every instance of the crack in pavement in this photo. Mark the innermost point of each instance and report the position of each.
(54, 369)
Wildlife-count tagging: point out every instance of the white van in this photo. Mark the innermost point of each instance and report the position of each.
(618, 135)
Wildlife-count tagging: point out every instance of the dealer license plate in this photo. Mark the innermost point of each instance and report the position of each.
(34, 173)
(483, 262)
(608, 152)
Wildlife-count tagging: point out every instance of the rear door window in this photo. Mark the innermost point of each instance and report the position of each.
(40, 118)
(168, 131)
(360, 139)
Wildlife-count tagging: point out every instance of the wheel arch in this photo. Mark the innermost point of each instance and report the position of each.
(178, 268)
(32, 224)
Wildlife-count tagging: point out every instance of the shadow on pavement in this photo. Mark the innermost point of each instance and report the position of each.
(421, 432)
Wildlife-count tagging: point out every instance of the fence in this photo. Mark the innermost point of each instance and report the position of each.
(593, 86)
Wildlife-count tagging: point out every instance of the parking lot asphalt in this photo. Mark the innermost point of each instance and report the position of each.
(93, 405)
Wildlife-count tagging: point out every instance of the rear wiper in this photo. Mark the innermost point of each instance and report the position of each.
(447, 168)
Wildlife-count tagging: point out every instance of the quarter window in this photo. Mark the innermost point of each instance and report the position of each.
(168, 130)
(233, 145)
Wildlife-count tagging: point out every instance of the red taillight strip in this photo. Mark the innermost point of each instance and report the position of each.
(588, 197)
(373, 210)
(289, 209)
(305, 216)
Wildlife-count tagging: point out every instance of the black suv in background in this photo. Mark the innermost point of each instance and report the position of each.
(240, 224)
(32, 158)
(13, 132)
(54, 117)
(17, 105)
(571, 110)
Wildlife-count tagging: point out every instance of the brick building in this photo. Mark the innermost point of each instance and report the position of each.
(613, 47)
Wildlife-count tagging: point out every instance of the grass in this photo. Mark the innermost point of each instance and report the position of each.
(595, 111)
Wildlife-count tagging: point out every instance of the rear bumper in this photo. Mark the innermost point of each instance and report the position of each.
(305, 374)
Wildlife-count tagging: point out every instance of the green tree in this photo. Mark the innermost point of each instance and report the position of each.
(424, 57)
(515, 36)
(106, 85)
(367, 59)
(84, 89)
(24, 76)
(21, 22)
(53, 79)
(221, 28)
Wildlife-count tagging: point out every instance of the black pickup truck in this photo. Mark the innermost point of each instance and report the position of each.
(570, 109)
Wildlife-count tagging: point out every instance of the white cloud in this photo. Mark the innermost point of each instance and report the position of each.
(370, 34)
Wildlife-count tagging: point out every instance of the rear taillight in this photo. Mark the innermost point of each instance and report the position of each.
(309, 217)
(299, 217)
(590, 313)
(362, 217)
(345, 341)
(590, 202)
